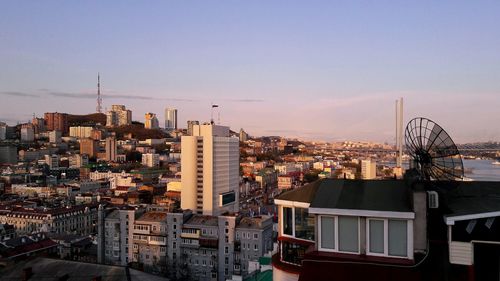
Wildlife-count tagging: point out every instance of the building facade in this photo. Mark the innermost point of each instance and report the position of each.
(55, 121)
(150, 121)
(210, 170)
(119, 115)
(171, 119)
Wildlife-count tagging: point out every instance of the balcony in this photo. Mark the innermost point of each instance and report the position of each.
(190, 233)
(207, 242)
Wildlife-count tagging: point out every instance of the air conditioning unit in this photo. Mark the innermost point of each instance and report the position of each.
(432, 199)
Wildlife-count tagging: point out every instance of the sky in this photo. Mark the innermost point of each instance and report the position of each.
(317, 70)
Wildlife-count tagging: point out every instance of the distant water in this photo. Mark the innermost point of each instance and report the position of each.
(479, 170)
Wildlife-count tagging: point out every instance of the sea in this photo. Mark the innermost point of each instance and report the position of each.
(475, 169)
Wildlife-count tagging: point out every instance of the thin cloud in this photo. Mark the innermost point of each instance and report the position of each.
(244, 100)
(19, 94)
(104, 96)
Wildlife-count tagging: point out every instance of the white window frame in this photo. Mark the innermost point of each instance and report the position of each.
(293, 223)
(409, 238)
(336, 233)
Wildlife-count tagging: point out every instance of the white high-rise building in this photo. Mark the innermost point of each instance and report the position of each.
(151, 160)
(27, 134)
(118, 116)
(368, 169)
(210, 170)
(55, 136)
(171, 119)
(80, 132)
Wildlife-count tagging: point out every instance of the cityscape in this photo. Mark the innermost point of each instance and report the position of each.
(232, 171)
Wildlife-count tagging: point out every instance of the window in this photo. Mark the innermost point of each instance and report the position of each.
(376, 233)
(304, 224)
(255, 247)
(398, 238)
(226, 250)
(255, 236)
(327, 232)
(287, 221)
(387, 237)
(348, 234)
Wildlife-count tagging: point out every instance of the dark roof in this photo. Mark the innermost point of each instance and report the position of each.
(303, 194)
(473, 197)
(375, 195)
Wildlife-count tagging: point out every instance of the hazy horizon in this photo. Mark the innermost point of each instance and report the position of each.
(322, 70)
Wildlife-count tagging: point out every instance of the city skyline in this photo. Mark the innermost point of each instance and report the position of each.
(322, 70)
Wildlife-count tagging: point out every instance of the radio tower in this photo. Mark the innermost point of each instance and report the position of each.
(99, 99)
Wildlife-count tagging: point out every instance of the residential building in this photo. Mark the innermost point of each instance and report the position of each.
(115, 235)
(27, 133)
(210, 170)
(89, 147)
(243, 136)
(81, 219)
(80, 132)
(150, 121)
(8, 154)
(190, 124)
(368, 169)
(388, 230)
(111, 149)
(55, 121)
(55, 136)
(285, 182)
(52, 161)
(118, 116)
(149, 241)
(38, 125)
(78, 160)
(151, 160)
(3, 131)
(171, 119)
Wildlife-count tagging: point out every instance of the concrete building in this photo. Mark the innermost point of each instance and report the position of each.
(78, 160)
(89, 147)
(81, 219)
(111, 149)
(27, 133)
(118, 116)
(55, 136)
(55, 121)
(243, 135)
(8, 154)
(151, 160)
(38, 125)
(3, 131)
(190, 125)
(150, 121)
(80, 132)
(52, 161)
(171, 119)
(115, 235)
(368, 169)
(210, 170)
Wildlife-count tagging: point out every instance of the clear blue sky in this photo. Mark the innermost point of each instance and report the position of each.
(315, 69)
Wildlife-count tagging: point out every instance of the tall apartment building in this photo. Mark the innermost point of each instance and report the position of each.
(27, 133)
(78, 160)
(150, 121)
(80, 132)
(55, 136)
(8, 154)
(55, 121)
(89, 147)
(111, 149)
(210, 170)
(3, 131)
(170, 118)
(118, 116)
(38, 124)
(115, 235)
(190, 125)
(52, 161)
(151, 159)
(368, 169)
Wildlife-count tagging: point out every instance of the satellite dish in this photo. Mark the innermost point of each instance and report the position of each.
(434, 154)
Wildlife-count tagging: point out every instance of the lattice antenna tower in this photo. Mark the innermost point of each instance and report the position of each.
(99, 98)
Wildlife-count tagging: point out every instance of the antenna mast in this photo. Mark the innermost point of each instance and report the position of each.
(99, 99)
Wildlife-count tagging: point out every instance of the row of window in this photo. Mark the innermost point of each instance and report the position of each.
(246, 235)
(385, 237)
